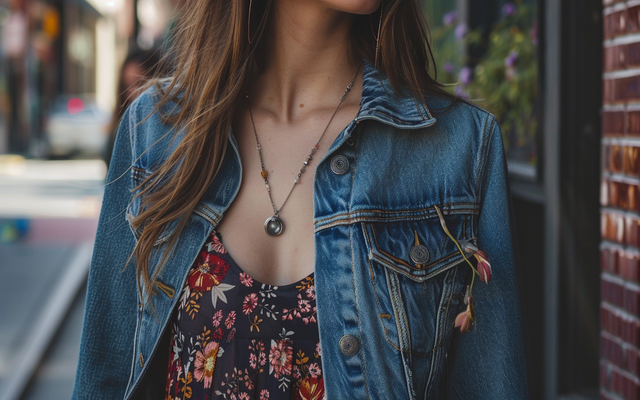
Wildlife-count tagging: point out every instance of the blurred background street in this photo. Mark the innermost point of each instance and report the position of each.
(561, 76)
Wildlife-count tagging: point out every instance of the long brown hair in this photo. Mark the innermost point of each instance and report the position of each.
(213, 58)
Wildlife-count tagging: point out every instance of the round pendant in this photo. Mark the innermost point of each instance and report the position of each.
(273, 226)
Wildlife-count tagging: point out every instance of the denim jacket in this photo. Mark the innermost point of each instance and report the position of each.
(385, 310)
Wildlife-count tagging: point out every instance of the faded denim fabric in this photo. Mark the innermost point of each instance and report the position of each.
(386, 322)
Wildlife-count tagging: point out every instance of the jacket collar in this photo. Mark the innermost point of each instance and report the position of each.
(379, 102)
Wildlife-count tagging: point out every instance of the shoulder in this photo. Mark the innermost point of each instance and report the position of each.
(151, 135)
(461, 115)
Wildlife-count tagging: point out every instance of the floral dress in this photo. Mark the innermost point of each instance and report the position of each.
(236, 338)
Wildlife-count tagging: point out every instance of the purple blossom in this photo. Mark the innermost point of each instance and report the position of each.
(509, 9)
(461, 31)
(512, 59)
(450, 18)
(448, 67)
(465, 76)
(461, 93)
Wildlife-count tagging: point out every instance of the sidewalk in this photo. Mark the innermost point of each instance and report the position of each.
(43, 272)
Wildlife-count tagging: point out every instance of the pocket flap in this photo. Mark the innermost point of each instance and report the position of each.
(417, 249)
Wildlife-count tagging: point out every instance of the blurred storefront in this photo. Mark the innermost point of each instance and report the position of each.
(55, 50)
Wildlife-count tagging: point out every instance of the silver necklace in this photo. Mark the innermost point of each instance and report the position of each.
(274, 226)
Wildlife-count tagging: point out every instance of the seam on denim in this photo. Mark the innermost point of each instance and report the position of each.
(135, 349)
(346, 219)
(355, 294)
(430, 210)
(489, 131)
(402, 327)
(353, 278)
(385, 119)
(440, 321)
(367, 220)
(375, 295)
(173, 302)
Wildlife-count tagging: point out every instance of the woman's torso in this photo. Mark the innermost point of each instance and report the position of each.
(385, 317)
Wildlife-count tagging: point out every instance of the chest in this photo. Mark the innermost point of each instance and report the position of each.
(288, 160)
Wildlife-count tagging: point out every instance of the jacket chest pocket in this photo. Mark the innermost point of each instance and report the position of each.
(415, 270)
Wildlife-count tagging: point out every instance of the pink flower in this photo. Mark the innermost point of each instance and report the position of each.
(253, 361)
(216, 244)
(246, 280)
(217, 317)
(311, 292)
(243, 396)
(280, 358)
(231, 319)
(318, 349)
(465, 319)
(314, 370)
(250, 303)
(264, 394)
(484, 266)
(304, 306)
(205, 363)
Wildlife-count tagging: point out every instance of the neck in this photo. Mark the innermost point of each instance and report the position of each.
(307, 58)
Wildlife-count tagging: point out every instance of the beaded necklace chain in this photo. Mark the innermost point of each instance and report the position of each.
(274, 226)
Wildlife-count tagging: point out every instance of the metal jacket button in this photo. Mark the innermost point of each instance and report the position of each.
(419, 254)
(349, 345)
(339, 164)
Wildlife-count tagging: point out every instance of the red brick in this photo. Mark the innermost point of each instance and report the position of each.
(615, 24)
(604, 376)
(628, 265)
(612, 352)
(633, 19)
(633, 123)
(632, 55)
(612, 227)
(632, 360)
(615, 158)
(625, 89)
(614, 58)
(631, 300)
(624, 385)
(631, 160)
(613, 123)
(609, 260)
(619, 195)
(632, 231)
(612, 293)
(632, 198)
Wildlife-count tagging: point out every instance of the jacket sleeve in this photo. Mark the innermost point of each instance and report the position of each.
(106, 347)
(488, 362)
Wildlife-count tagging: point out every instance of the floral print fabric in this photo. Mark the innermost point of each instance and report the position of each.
(236, 338)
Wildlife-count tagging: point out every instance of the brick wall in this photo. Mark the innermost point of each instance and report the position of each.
(620, 200)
